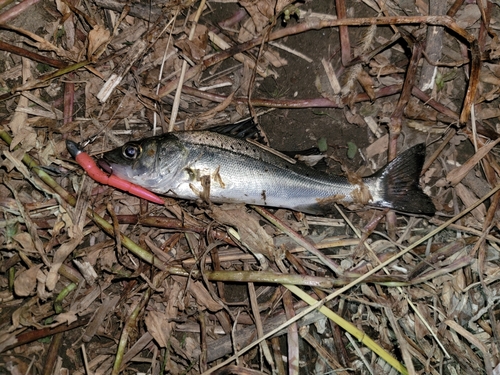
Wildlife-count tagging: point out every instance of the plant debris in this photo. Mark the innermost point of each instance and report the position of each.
(94, 280)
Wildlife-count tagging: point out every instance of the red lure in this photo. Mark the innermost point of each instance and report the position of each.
(89, 165)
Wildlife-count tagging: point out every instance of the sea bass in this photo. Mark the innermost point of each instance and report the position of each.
(222, 169)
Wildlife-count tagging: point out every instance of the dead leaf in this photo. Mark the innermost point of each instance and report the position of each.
(468, 198)
(23, 133)
(98, 36)
(354, 118)
(251, 233)
(25, 281)
(468, 16)
(247, 31)
(24, 239)
(492, 79)
(47, 154)
(487, 113)
(63, 8)
(192, 347)
(13, 160)
(59, 257)
(447, 295)
(274, 58)
(381, 66)
(203, 297)
(41, 289)
(379, 147)
(261, 12)
(218, 108)
(282, 4)
(367, 83)
(421, 329)
(457, 174)
(40, 43)
(155, 321)
(67, 317)
(195, 48)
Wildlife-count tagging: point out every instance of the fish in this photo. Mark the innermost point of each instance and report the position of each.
(217, 168)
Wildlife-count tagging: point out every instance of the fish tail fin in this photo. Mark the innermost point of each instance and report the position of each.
(398, 184)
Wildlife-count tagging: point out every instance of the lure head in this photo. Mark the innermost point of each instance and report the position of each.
(73, 148)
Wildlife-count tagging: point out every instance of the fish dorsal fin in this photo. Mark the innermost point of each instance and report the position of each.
(250, 132)
(243, 130)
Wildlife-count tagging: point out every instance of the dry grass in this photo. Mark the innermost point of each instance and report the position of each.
(96, 281)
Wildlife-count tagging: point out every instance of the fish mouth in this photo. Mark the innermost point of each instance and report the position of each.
(105, 166)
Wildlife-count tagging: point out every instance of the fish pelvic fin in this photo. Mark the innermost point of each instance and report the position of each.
(398, 184)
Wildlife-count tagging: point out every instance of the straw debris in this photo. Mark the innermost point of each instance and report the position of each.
(97, 281)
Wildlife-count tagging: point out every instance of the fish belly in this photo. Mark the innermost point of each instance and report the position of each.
(267, 185)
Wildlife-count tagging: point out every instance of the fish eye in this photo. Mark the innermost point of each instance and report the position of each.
(131, 151)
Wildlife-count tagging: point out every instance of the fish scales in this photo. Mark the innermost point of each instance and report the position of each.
(258, 175)
(179, 164)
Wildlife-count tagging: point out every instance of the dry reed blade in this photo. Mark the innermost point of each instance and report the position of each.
(338, 292)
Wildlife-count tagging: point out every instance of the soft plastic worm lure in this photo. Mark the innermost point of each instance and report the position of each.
(89, 165)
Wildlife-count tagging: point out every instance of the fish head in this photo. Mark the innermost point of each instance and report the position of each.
(147, 162)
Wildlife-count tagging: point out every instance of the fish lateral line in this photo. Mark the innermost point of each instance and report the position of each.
(239, 172)
(90, 167)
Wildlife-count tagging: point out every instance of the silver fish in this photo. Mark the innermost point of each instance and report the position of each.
(223, 169)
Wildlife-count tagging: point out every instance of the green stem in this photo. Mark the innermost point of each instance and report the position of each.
(122, 344)
(103, 224)
(61, 296)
